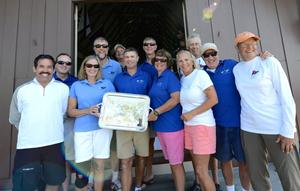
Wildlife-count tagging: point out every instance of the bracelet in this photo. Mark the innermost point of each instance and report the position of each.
(156, 113)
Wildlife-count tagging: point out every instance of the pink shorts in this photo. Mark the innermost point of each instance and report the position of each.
(172, 144)
(200, 139)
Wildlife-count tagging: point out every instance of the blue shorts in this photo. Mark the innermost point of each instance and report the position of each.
(229, 144)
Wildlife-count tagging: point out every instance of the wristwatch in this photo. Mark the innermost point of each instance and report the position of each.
(156, 113)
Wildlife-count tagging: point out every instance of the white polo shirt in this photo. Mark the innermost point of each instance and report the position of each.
(267, 102)
(38, 113)
(192, 96)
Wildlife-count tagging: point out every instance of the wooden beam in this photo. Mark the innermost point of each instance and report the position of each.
(116, 1)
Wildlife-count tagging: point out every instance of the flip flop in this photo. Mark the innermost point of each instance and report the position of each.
(148, 182)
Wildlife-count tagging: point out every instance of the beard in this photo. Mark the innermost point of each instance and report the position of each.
(101, 56)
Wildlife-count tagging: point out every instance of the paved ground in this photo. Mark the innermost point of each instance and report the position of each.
(164, 182)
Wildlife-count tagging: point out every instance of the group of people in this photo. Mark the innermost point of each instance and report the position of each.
(218, 110)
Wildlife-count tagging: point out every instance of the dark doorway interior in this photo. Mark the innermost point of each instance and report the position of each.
(129, 23)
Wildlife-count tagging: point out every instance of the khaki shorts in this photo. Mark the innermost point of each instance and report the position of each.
(131, 143)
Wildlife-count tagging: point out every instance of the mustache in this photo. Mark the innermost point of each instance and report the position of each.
(45, 73)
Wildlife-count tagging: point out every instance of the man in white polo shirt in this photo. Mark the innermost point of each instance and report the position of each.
(37, 111)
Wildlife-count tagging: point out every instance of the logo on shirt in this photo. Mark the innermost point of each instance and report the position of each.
(225, 71)
(254, 72)
(103, 87)
(139, 81)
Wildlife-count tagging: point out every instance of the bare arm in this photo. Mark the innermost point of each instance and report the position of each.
(168, 105)
(212, 100)
(74, 112)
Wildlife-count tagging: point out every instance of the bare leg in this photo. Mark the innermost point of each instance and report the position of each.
(98, 174)
(149, 159)
(66, 183)
(194, 167)
(126, 178)
(214, 169)
(201, 164)
(139, 170)
(244, 177)
(179, 176)
(52, 188)
(227, 172)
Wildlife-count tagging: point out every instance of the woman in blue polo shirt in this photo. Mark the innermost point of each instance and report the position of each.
(91, 143)
(165, 96)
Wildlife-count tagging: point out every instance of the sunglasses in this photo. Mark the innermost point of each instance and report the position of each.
(92, 65)
(63, 62)
(149, 44)
(100, 45)
(206, 55)
(160, 60)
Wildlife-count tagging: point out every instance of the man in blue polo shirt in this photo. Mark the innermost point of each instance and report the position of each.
(149, 47)
(110, 67)
(227, 115)
(136, 81)
(62, 73)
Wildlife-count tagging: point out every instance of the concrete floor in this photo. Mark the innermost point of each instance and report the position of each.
(164, 181)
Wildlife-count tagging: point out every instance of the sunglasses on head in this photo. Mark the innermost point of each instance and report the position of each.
(149, 44)
(92, 65)
(160, 60)
(100, 45)
(206, 55)
(63, 62)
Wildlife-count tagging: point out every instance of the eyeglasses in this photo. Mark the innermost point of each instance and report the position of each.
(92, 65)
(100, 45)
(206, 55)
(160, 60)
(149, 44)
(63, 62)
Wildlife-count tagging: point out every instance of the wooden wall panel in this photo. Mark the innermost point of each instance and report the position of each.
(223, 30)
(2, 22)
(58, 27)
(51, 32)
(8, 33)
(195, 23)
(24, 41)
(289, 21)
(65, 27)
(30, 38)
(269, 30)
(244, 16)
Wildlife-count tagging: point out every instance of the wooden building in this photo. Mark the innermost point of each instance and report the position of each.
(32, 27)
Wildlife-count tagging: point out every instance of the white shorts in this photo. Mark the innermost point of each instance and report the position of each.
(92, 144)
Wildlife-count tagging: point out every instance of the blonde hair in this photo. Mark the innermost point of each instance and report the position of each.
(82, 73)
(190, 55)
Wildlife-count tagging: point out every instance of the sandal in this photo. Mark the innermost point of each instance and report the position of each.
(148, 182)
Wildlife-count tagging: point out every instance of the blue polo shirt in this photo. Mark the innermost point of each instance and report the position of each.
(69, 81)
(160, 92)
(227, 111)
(88, 95)
(139, 83)
(111, 69)
(149, 68)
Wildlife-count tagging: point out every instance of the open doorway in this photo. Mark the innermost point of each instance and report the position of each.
(129, 23)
